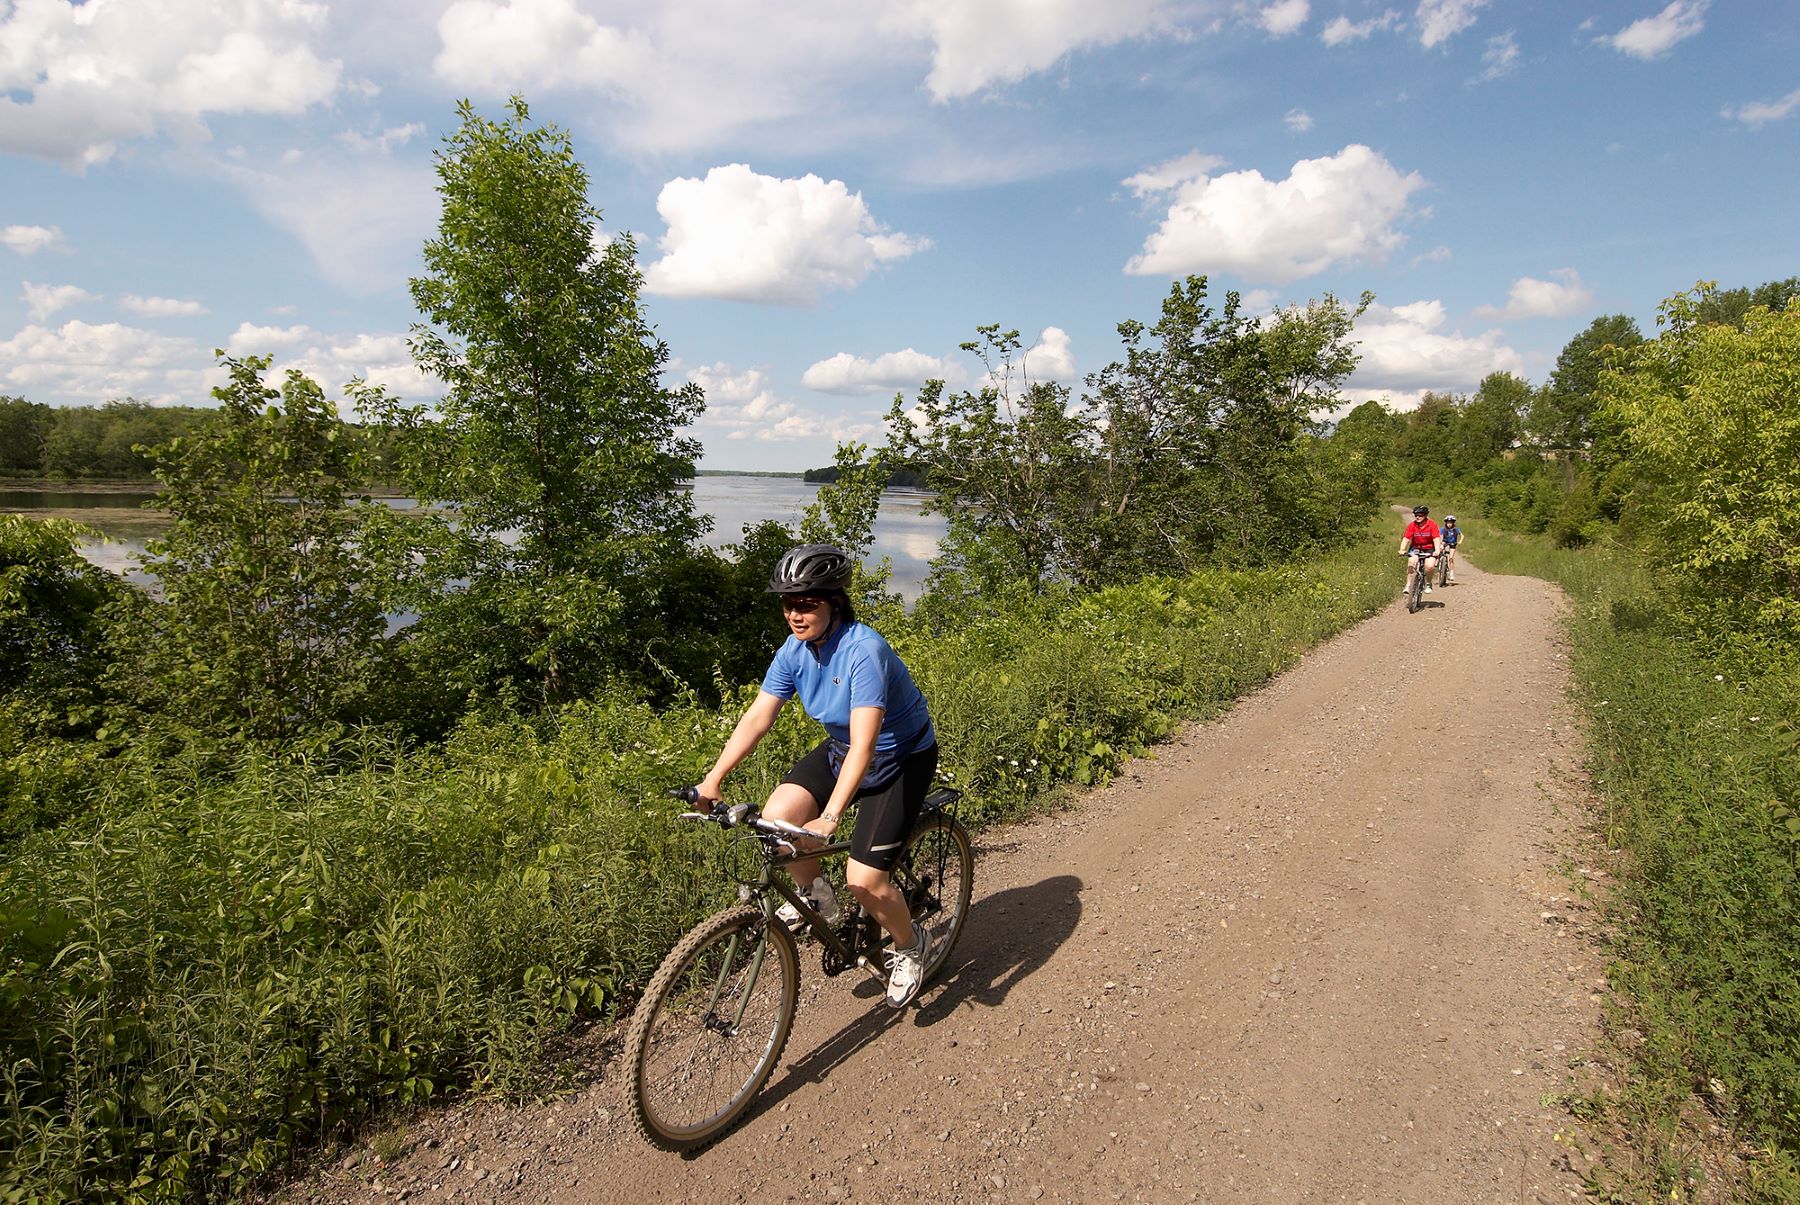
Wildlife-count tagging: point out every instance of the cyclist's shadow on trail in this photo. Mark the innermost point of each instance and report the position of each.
(1007, 936)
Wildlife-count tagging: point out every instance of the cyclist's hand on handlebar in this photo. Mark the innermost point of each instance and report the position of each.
(709, 791)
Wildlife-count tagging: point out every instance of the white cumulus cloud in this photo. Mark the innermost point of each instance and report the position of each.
(45, 300)
(1405, 349)
(29, 240)
(854, 375)
(1340, 30)
(745, 406)
(1762, 112)
(1653, 37)
(85, 363)
(1533, 298)
(1298, 120)
(1441, 20)
(980, 43)
(77, 79)
(1052, 357)
(1341, 208)
(1283, 17)
(161, 307)
(500, 46)
(748, 237)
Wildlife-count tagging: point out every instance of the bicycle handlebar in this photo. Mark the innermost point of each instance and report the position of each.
(739, 813)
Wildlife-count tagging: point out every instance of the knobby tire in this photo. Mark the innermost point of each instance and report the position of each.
(1415, 598)
(692, 1070)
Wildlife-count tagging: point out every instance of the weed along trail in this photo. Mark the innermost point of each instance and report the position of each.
(1320, 949)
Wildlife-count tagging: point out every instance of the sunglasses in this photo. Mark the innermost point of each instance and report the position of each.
(801, 604)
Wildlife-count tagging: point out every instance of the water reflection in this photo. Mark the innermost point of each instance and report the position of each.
(903, 531)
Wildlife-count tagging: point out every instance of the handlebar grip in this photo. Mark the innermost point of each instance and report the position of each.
(685, 794)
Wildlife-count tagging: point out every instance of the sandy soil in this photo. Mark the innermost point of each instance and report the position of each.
(1325, 948)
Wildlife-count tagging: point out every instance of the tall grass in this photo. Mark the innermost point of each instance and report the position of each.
(1696, 762)
(213, 970)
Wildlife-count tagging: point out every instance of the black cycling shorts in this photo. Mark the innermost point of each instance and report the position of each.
(885, 814)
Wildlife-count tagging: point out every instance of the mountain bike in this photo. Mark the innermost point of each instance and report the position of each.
(1443, 568)
(1415, 592)
(717, 1014)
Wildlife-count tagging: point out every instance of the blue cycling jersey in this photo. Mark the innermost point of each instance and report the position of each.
(1451, 536)
(852, 667)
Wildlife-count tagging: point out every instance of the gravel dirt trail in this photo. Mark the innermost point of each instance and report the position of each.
(1323, 948)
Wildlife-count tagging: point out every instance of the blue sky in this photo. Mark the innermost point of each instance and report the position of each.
(829, 197)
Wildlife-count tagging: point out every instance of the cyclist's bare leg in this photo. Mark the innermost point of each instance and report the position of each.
(794, 803)
(874, 889)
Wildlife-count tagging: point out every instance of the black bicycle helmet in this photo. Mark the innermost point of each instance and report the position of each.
(810, 569)
(1421, 511)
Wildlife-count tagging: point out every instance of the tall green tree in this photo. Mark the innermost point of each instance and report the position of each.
(1488, 423)
(1729, 307)
(1711, 413)
(272, 578)
(24, 426)
(1008, 461)
(1561, 416)
(556, 441)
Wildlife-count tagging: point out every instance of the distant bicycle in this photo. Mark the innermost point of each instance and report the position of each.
(717, 1014)
(1444, 569)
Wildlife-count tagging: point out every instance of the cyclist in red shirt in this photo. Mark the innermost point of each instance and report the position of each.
(1421, 535)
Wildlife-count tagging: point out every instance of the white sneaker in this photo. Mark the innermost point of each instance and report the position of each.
(906, 969)
(823, 900)
(1428, 587)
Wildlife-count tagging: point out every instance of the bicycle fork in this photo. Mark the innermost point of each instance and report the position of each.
(713, 1021)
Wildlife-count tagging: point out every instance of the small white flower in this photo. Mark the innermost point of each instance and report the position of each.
(1755, 718)
(1718, 677)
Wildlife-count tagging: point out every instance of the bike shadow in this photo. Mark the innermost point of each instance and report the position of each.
(1007, 936)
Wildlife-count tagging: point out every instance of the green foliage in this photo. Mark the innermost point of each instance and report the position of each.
(1562, 414)
(1729, 307)
(110, 442)
(1711, 417)
(1199, 446)
(272, 583)
(52, 649)
(556, 441)
(24, 426)
(1009, 463)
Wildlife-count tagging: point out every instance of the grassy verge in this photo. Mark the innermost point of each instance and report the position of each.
(210, 972)
(1693, 753)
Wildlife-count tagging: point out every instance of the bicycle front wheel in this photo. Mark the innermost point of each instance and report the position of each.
(710, 1028)
(936, 874)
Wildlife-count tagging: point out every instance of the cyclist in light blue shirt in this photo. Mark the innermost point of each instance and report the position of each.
(879, 754)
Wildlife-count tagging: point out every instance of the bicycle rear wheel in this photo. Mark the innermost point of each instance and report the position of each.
(936, 874)
(710, 1028)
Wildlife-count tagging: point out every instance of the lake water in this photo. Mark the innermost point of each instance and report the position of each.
(902, 530)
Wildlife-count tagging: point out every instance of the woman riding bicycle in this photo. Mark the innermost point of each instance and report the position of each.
(880, 752)
(1420, 544)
